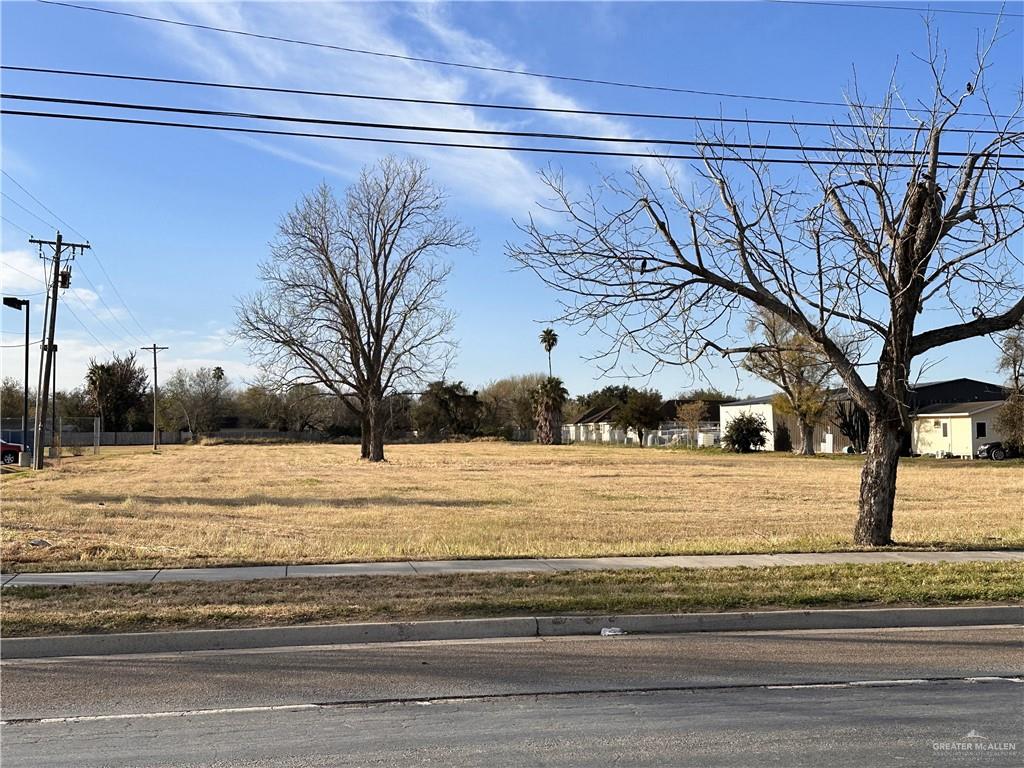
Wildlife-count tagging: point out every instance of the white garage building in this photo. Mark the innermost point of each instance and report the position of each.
(957, 429)
(827, 438)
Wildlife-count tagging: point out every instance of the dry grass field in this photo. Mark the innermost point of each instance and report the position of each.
(231, 504)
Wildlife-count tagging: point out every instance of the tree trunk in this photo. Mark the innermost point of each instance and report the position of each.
(878, 484)
(377, 442)
(375, 429)
(806, 438)
(544, 436)
(640, 437)
(364, 437)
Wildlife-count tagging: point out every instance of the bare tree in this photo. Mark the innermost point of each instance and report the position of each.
(885, 222)
(195, 399)
(508, 403)
(791, 361)
(353, 294)
(691, 414)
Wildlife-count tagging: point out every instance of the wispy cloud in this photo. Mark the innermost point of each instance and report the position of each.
(88, 328)
(21, 272)
(499, 180)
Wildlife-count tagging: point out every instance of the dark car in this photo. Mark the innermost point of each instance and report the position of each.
(9, 452)
(997, 451)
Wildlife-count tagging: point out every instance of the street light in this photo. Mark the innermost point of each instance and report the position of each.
(22, 304)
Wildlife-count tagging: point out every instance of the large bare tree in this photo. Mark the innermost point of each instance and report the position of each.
(353, 293)
(902, 233)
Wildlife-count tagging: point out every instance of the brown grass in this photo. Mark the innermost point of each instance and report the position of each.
(150, 607)
(220, 504)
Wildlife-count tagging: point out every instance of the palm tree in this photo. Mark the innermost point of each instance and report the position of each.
(548, 340)
(548, 399)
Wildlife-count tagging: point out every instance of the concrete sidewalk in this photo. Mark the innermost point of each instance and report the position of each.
(425, 567)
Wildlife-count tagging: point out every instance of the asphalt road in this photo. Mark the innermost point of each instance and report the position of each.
(850, 698)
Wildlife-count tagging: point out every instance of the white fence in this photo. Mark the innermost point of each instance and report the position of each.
(668, 433)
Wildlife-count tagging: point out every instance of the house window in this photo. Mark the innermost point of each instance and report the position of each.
(945, 429)
(982, 429)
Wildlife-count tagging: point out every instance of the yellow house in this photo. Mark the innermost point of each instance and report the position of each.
(956, 429)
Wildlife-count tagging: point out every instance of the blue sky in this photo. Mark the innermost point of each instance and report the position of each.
(180, 219)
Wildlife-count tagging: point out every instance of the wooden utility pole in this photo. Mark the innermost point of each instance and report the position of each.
(156, 394)
(54, 440)
(50, 328)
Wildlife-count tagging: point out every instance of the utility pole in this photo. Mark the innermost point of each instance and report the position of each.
(156, 393)
(54, 441)
(58, 280)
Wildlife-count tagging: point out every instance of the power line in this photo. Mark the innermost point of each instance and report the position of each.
(107, 307)
(885, 7)
(42, 205)
(85, 327)
(467, 131)
(480, 67)
(119, 297)
(92, 251)
(48, 224)
(452, 145)
(12, 346)
(475, 104)
(26, 274)
(16, 226)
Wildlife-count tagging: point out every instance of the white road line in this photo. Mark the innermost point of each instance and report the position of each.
(991, 679)
(155, 715)
(427, 701)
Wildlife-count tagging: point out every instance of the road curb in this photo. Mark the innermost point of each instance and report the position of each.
(511, 627)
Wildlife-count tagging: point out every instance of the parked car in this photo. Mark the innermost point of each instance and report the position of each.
(997, 451)
(9, 452)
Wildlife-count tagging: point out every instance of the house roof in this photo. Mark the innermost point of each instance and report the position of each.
(923, 384)
(752, 400)
(597, 415)
(668, 411)
(841, 393)
(669, 408)
(959, 409)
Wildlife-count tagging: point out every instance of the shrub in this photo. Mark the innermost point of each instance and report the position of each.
(745, 433)
(783, 440)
